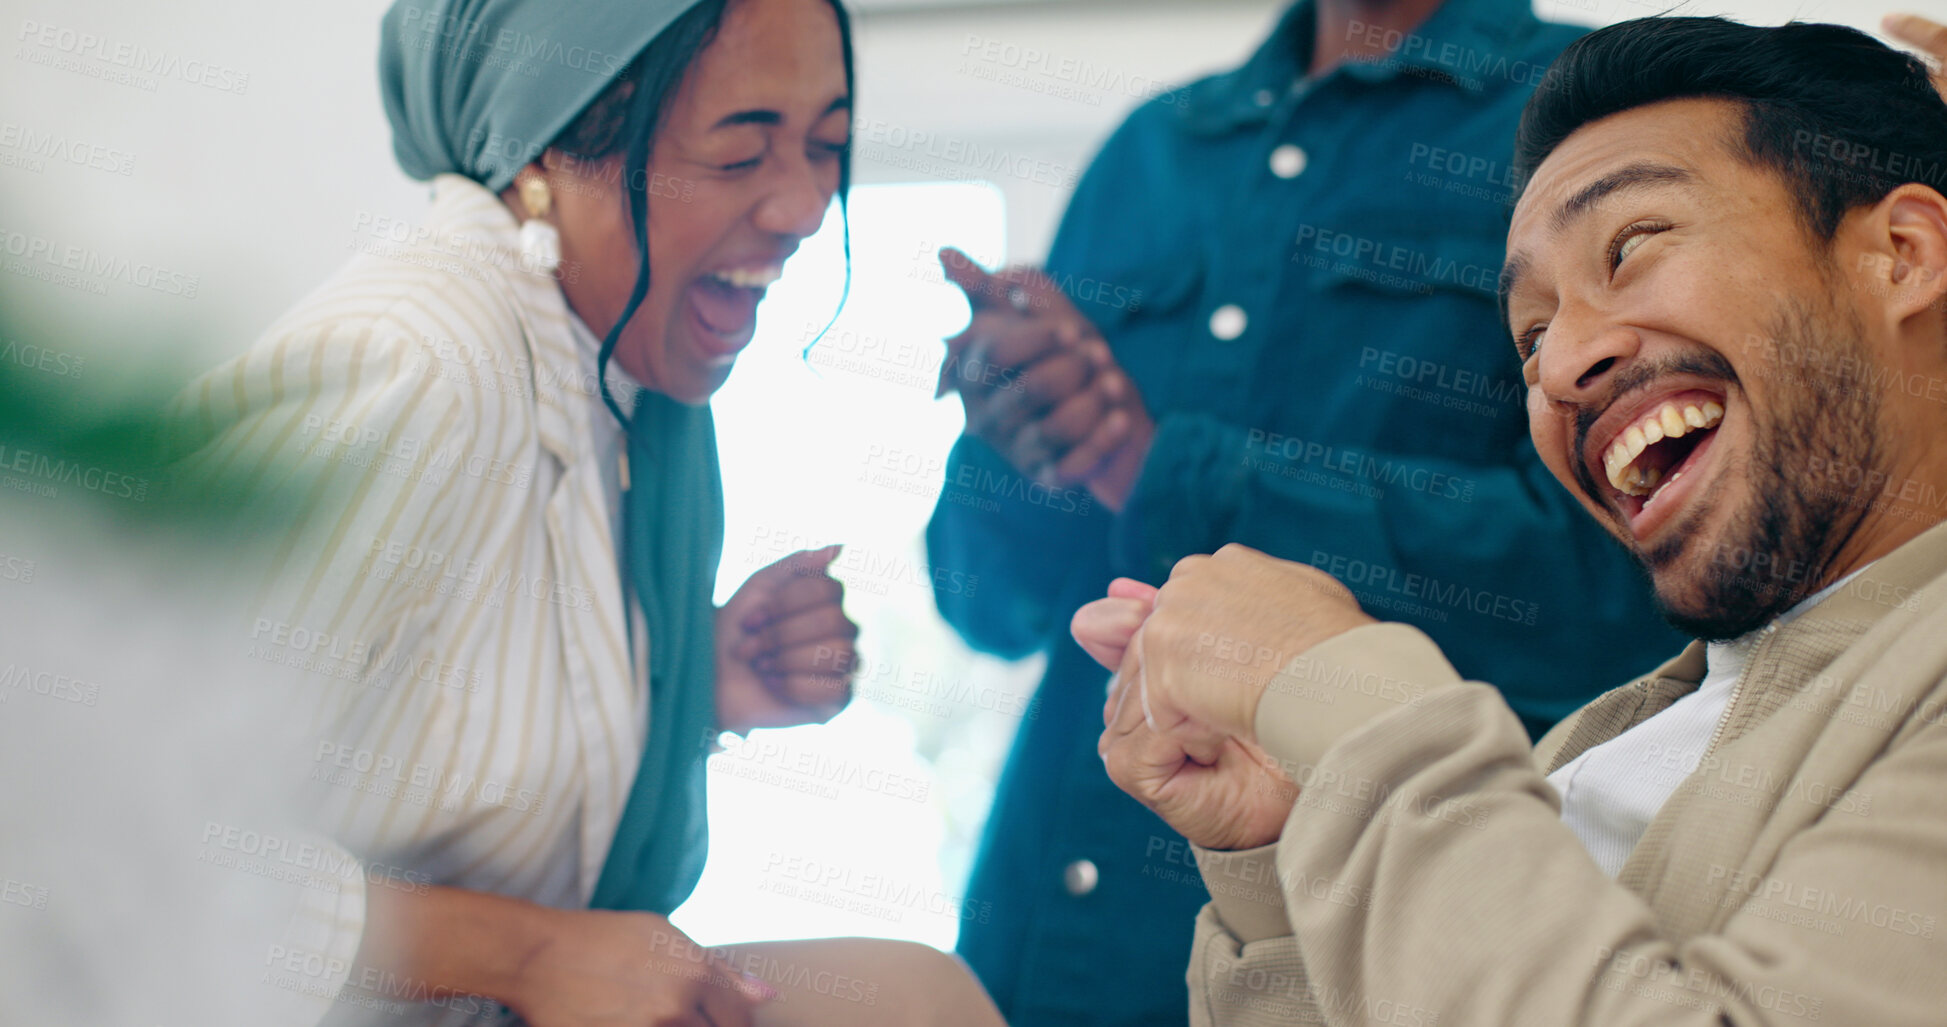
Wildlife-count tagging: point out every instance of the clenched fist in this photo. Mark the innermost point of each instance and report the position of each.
(785, 647)
(1192, 660)
(1237, 798)
(1222, 627)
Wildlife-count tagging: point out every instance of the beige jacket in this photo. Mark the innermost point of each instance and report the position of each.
(1798, 875)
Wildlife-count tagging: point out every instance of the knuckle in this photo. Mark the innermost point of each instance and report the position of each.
(1078, 372)
(1060, 432)
(1163, 630)
(1323, 582)
(1085, 409)
(1114, 760)
(1104, 437)
(1187, 566)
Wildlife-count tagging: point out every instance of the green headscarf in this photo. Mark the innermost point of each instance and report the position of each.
(480, 88)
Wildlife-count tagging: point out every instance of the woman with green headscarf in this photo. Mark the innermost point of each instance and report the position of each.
(499, 589)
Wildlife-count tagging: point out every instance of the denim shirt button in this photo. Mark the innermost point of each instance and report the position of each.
(1288, 161)
(1228, 322)
(1079, 877)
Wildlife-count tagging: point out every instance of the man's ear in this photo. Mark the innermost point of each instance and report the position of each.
(1910, 272)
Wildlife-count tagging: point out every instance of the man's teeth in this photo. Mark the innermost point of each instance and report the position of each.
(1667, 422)
(1660, 488)
(749, 277)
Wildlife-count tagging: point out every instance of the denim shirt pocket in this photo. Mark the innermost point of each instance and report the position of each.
(1130, 290)
(1148, 311)
(1404, 321)
(1404, 261)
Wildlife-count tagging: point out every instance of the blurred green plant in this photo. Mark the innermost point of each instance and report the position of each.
(118, 423)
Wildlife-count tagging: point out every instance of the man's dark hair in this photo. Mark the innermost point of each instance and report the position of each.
(1841, 117)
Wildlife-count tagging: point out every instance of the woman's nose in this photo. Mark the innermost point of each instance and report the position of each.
(796, 207)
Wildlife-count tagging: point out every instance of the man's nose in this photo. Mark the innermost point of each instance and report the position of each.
(1578, 362)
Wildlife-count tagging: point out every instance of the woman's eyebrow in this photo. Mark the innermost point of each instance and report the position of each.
(753, 117)
(770, 117)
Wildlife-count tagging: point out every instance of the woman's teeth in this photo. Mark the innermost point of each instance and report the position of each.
(749, 277)
(1668, 422)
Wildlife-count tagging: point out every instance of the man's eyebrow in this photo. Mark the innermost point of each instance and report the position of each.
(1511, 272)
(1634, 176)
(770, 117)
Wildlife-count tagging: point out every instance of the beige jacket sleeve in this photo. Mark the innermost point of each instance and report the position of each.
(1425, 877)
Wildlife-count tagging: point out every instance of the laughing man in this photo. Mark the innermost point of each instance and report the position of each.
(1727, 278)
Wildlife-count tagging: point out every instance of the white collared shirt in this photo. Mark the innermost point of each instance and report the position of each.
(1611, 791)
(449, 601)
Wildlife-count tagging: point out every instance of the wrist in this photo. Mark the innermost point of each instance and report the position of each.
(466, 942)
(1235, 839)
(491, 941)
(1116, 481)
(508, 971)
(1242, 713)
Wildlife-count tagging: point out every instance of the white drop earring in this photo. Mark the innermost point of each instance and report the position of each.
(540, 241)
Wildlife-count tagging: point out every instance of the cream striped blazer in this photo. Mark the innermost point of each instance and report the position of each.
(448, 593)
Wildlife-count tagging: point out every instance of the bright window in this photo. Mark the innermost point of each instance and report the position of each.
(864, 826)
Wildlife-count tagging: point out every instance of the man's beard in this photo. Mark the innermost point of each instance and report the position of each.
(1797, 525)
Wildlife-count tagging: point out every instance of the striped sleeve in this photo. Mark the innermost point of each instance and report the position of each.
(357, 454)
(347, 446)
(326, 930)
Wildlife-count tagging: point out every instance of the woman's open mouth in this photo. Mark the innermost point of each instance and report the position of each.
(1652, 464)
(723, 304)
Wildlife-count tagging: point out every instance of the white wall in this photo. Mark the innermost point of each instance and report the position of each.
(252, 192)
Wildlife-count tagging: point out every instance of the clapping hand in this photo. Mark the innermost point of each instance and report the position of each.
(1040, 385)
(1930, 37)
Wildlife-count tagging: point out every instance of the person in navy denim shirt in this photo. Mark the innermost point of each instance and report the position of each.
(1268, 317)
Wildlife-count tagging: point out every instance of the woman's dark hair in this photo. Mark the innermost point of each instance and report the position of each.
(1841, 117)
(625, 119)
